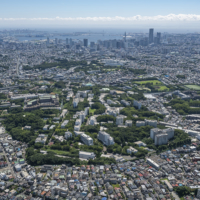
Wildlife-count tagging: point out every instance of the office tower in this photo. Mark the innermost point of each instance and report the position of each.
(67, 41)
(125, 37)
(150, 35)
(85, 42)
(70, 41)
(118, 44)
(158, 37)
(78, 46)
(114, 43)
(92, 44)
(155, 40)
(48, 41)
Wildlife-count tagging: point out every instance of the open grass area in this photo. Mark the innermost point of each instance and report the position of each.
(163, 88)
(62, 153)
(91, 111)
(193, 87)
(116, 185)
(157, 85)
(57, 91)
(155, 82)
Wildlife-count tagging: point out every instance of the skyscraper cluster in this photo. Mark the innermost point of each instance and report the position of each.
(152, 39)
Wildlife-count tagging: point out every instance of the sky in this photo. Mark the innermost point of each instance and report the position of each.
(169, 14)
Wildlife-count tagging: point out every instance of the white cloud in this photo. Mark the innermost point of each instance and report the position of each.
(170, 17)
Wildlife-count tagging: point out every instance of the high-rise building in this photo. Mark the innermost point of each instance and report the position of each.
(150, 35)
(125, 37)
(48, 41)
(92, 44)
(85, 42)
(70, 42)
(158, 37)
(67, 41)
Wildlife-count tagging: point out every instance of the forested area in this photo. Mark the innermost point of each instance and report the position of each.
(81, 105)
(184, 107)
(19, 120)
(26, 67)
(36, 158)
(3, 96)
(100, 108)
(138, 71)
(142, 114)
(106, 118)
(60, 84)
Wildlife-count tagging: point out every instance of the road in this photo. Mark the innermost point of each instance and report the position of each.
(175, 196)
(9, 165)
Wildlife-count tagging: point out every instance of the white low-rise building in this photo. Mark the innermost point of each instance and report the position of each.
(140, 123)
(86, 139)
(75, 102)
(131, 150)
(137, 104)
(129, 123)
(45, 128)
(65, 122)
(152, 163)
(119, 120)
(68, 135)
(105, 138)
(92, 120)
(140, 144)
(18, 167)
(86, 155)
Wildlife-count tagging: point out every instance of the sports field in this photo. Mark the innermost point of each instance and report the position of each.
(155, 82)
(193, 87)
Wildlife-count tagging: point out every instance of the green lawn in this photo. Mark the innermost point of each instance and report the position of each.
(164, 179)
(163, 88)
(57, 91)
(91, 111)
(116, 185)
(194, 87)
(63, 153)
(155, 82)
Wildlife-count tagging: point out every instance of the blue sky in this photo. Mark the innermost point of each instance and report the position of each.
(50, 9)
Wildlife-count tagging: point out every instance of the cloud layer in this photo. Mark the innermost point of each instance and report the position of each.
(170, 17)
